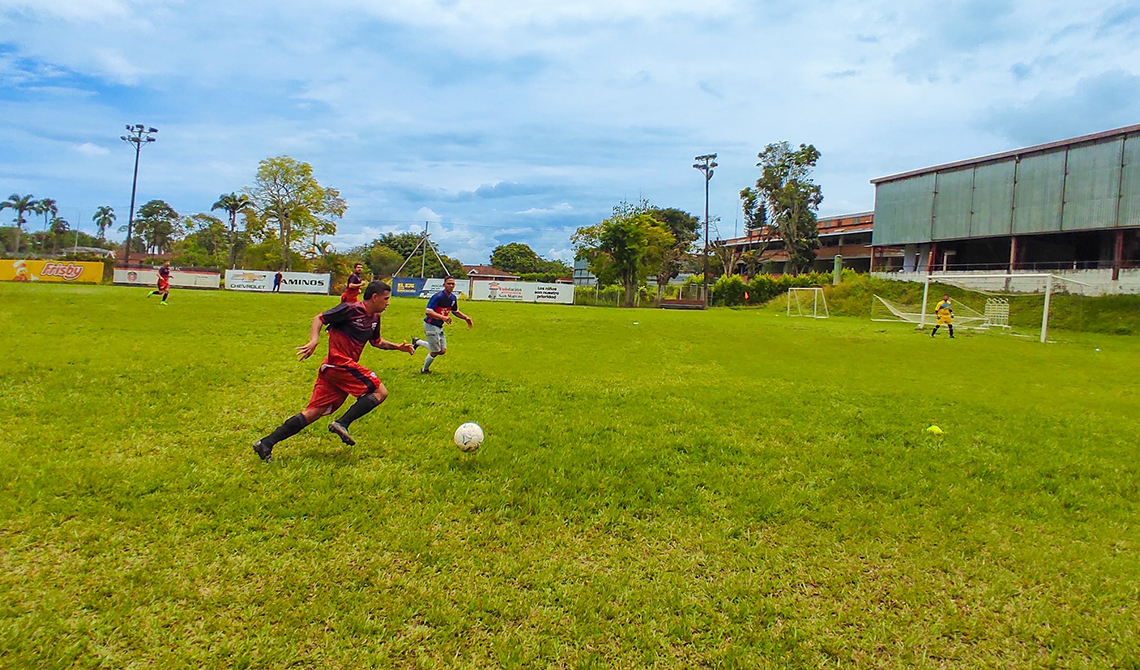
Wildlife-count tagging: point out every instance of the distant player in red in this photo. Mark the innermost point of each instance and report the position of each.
(355, 283)
(163, 283)
(351, 325)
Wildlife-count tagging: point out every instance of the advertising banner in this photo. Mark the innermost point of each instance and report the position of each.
(522, 291)
(416, 287)
(291, 282)
(178, 278)
(72, 272)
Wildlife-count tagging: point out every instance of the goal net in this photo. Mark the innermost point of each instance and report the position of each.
(1022, 304)
(808, 301)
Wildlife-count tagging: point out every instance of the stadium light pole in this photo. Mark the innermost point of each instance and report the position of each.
(705, 164)
(137, 135)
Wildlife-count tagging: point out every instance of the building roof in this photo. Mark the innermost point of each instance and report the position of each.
(1016, 153)
(474, 271)
(826, 226)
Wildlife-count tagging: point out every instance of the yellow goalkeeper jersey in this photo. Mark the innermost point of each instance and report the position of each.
(945, 313)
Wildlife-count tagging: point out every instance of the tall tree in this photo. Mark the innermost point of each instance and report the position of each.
(104, 217)
(233, 204)
(21, 205)
(158, 225)
(684, 228)
(756, 227)
(57, 229)
(47, 208)
(791, 198)
(286, 194)
(624, 247)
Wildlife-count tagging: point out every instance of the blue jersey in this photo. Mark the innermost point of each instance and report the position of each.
(443, 304)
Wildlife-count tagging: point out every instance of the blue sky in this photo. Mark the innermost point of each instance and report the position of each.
(505, 121)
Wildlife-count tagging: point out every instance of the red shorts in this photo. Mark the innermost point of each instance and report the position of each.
(163, 285)
(336, 382)
(350, 296)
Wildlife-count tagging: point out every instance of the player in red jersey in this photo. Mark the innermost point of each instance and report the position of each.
(351, 325)
(355, 283)
(163, 282)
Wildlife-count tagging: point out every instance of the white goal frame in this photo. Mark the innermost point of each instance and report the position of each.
(818, 298)
(955, 279)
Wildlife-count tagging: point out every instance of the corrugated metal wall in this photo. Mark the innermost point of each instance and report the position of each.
(1038, 193)
(993, 199)
(902, 210)
(953, 202)
(1092, 180)
(1080, 187)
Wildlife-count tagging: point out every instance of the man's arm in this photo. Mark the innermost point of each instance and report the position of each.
(307, 349)
(436, 315)
(405, 347)
(356, 285)
(464, 317)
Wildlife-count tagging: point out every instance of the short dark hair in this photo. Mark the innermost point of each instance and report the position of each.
(360, 264)
(375, 287)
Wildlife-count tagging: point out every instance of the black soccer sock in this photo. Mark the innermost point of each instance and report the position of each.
(934, 331)
(951, 329)
(291, 427)
(363, 405)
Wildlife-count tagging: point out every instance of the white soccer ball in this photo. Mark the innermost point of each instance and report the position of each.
(468, 437)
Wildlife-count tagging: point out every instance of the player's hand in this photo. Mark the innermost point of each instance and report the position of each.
(306, 350)
(470, 323)
(447, 319)
(406, 347)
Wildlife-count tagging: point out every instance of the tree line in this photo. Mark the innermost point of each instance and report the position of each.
(639, 240)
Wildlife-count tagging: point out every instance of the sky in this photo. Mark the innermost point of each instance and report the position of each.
(500, 122)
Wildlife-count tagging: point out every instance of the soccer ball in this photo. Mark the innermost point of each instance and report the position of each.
(468, 437)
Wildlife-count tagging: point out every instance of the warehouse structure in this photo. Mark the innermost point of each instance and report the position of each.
(1068, 205)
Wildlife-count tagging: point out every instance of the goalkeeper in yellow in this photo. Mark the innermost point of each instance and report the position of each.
(945, 314)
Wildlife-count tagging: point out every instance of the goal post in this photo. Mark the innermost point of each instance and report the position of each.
(808, 301)
(1008, 284)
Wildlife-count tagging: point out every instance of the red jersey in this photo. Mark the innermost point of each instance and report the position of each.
(351, 294)
(350, 328)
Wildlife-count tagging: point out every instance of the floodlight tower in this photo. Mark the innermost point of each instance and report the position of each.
(137, 135)
(705, 164)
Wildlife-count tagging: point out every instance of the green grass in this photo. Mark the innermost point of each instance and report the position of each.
(730, 489)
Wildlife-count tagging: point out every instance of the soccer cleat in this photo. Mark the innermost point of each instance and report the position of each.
(163, 303)
(417, 342)
(341, 432)
(263, 451)
(425, 371)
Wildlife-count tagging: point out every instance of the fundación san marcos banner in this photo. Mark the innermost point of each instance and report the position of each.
(291, 282)
(522, 291)
(74, 272)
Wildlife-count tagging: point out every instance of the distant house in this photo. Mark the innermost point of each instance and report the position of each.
(582, 275)
(488, 272)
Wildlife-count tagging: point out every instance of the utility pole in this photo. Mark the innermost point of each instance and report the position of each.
(423, 260)
(137, 135)
(705, 163)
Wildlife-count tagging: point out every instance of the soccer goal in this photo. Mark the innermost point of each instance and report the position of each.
(1013, 303)
(1032, 293)
(808, 301)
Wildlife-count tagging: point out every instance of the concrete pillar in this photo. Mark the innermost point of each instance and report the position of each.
(1013, 253)
(910, 258)
(837, 270)
(1117, 255)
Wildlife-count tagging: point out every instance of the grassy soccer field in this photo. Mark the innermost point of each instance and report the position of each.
(658, 489)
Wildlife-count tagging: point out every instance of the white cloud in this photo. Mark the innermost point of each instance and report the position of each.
(91, 149)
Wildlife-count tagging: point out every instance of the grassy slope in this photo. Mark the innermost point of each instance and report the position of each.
(728, 488)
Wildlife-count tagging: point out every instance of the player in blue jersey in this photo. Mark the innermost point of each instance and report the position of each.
(440, 308)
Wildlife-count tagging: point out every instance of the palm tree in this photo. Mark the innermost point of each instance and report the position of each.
(58, 229)
(21, 204)
(232, 203)
(48, 209)
(104, 217)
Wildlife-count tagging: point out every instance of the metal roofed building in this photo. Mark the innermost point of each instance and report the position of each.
(1067, 205)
